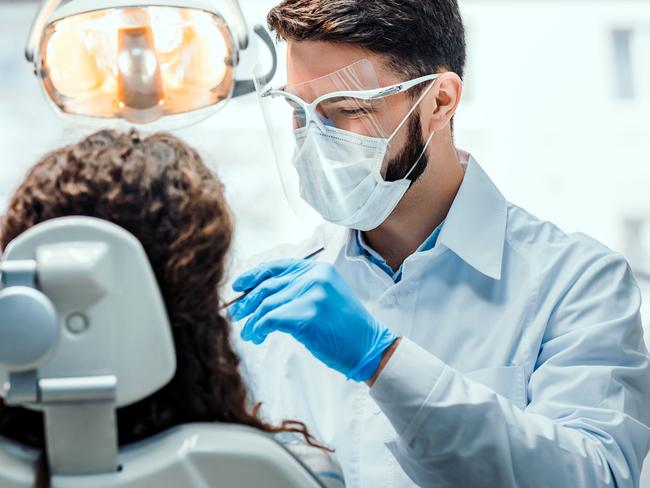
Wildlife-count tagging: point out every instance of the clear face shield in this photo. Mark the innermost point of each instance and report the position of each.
(351, 129)
(169, 64)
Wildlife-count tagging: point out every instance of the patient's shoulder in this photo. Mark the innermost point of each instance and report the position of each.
(319, 461)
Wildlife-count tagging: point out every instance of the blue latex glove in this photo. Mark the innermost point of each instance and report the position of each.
(310, 301)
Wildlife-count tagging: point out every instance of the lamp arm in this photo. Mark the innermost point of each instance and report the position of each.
(244, 87)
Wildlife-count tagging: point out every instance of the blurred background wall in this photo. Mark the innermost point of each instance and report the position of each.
(556, 109)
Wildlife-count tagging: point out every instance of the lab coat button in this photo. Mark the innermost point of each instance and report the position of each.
(390, 299)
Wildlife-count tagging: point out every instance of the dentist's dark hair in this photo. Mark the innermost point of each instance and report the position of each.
(419, 37)
(158, 189)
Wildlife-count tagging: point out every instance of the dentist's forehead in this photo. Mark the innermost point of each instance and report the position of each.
(310, 60)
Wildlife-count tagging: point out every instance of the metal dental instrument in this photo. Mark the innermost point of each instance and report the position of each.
(236, 299)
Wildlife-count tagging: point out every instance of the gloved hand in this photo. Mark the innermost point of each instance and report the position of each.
(310, 301)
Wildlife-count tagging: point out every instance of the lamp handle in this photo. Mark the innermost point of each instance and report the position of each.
(244, 87)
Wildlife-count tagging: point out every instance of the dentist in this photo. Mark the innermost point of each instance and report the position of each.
(459, 340)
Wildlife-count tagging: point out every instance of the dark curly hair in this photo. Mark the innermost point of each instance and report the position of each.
(158, 189)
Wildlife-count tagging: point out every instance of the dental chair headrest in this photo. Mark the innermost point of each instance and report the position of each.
(83, 331)
(82, 324)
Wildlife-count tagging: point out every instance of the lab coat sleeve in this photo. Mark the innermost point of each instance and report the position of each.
(586, 422)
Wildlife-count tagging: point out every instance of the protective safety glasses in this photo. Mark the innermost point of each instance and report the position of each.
(352, 111)
(140, 61)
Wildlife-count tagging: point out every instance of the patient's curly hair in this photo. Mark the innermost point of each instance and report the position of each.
(158, 189)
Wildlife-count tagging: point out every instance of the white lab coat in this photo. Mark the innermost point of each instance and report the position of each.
(522, 361)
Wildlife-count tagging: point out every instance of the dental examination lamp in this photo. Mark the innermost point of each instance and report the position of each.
(83, 332)
(169, 62)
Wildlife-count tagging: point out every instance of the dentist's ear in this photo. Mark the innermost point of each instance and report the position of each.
(447, 91)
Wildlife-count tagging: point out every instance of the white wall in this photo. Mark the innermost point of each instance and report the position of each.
(543, 117)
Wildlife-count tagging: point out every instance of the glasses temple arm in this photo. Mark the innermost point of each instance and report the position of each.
(405, 85)
(377, 93)
(423, 79)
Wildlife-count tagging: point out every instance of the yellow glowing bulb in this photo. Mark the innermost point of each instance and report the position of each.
(167, 27)
(138, 63)
(72, 67)
(206, 49)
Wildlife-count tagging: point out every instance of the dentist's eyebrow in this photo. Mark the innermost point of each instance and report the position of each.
(360, 102)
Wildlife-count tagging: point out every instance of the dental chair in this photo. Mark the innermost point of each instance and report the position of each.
(83, 332)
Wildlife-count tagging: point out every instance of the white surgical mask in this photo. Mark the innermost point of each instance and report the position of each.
(340, 175)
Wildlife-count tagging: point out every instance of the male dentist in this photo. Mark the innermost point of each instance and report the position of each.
(445, 337)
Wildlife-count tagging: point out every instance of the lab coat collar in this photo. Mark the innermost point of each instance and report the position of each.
(475, 228)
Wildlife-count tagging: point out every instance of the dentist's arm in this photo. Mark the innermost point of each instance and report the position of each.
(585, 425)
(310, 301)
(586, 422)
(385, 358)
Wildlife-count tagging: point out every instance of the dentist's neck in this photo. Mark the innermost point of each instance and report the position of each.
(423, 208)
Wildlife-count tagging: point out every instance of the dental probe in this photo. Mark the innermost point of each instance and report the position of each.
(236, 299)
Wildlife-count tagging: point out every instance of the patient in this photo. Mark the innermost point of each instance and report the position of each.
(158, 189)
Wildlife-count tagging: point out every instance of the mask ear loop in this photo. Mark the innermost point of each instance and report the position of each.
(426, 146)
(408, 116)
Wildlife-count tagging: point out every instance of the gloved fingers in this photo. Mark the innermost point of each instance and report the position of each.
(253, 277)
(250, 303)
(288, 318)
(268, 305)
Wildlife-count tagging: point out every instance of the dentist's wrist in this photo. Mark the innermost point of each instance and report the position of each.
(385, 358)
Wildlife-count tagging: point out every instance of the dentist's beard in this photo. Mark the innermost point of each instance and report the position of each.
(400, 165)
